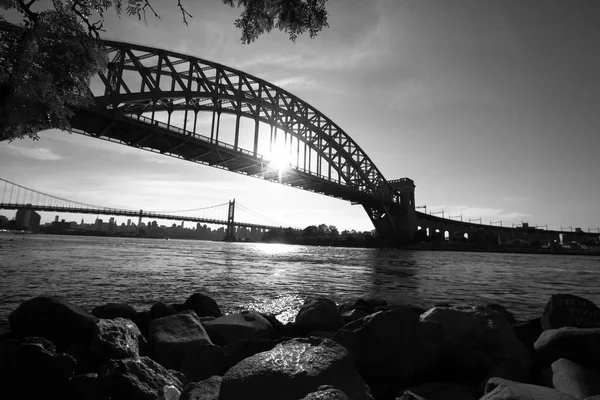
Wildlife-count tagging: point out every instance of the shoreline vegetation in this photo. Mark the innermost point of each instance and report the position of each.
(364, 349)
(356, 241)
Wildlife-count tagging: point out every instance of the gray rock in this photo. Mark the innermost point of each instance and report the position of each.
(503, 389)
(354, 314)
(53, 318)
(115, 310)
(237, 351)
(161, 310)
(577, 344)
(438, 391)
(571, 378)
(173, 336)
(203, 305)
(384, 344)
(319, 314)
(134, 379)
(507, 314)
(292, 370)
(567, 310)
(326, 392)
(207, 389)
(476, 341)
(116, 338)
(83, 387)
(203, 361)
(528, 332)
(32, 366)
(238, 326)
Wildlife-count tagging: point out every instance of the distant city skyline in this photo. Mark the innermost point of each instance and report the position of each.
(491, 107)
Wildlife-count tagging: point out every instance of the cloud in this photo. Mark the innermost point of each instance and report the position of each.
(39, 153)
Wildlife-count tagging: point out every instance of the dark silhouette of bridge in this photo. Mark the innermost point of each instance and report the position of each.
(17, 197)
(204, 112)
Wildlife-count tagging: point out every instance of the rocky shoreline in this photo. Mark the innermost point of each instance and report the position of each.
(360, 350)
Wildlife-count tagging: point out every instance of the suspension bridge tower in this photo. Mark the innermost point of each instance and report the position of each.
(230, 230)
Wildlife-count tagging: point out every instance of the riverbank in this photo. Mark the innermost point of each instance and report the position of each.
(364, 349)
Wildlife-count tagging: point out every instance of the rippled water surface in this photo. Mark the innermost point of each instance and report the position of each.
(90, 271)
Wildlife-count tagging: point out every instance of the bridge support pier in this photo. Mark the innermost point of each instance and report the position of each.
(396, 222)
(230, 230)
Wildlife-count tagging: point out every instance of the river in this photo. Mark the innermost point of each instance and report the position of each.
(275, 278)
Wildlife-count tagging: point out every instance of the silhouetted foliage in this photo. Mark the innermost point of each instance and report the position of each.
(48, 60)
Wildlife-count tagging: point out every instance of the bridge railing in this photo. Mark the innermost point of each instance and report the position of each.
(208, 140)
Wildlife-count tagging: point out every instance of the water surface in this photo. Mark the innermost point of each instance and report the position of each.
(90, 271)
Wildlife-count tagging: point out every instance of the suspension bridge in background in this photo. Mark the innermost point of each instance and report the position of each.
(18, 197)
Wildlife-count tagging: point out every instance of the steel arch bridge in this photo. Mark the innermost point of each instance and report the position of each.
(181, 106)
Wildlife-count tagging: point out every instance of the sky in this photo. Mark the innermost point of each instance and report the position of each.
(491, 107)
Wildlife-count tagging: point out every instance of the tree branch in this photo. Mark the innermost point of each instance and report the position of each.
(184, 12)
(27, 11)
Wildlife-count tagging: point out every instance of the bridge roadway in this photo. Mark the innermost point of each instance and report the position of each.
(131, 213)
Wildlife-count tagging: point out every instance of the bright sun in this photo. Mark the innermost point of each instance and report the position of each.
(280, 158)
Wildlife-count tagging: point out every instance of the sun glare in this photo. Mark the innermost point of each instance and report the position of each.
(280, 158)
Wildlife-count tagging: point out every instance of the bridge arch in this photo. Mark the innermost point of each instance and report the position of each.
(141, 82)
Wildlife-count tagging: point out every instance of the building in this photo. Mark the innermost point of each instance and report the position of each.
(27, 218)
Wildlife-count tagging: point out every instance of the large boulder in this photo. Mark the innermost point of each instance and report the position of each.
(477, 342)
(243, 325)
(33, 367)
(116, 338)
(160, 310)
(567, 310)
(83, 387)
(55, 319)
(207, 389)
(203, 305)
(172, 337)
(135, 379)
(326, 392)
(319, 314)
(572, 378)
(292, 370)
(503, 389)
(438, 391)
(577, 344)
(115, 310)
(203, 361)
(384, 344)
(237, 351)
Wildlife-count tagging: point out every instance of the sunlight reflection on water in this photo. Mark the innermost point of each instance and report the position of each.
(277, 278)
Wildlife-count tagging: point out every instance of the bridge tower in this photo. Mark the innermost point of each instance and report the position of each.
(396, 221)
(230, 230)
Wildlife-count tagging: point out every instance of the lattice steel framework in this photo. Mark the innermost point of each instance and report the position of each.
(194, 85)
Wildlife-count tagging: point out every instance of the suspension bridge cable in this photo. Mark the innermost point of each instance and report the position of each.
(195, 209)
(272, 221)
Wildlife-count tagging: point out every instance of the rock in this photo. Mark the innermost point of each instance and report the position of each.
(571, 378)
(243, 325)
(115, 310)
(53, 318)
(292, 370)
(358, 304)
(207, 389)
(567, 310)
(173, 336)
(326, 392)
(32, 367)
(510, 318)
(437, 391)
(203, 305)
(353, 315)
(134, 379)
(319, 314)
(160, 310)
(203, 361)
(143, 322)
(476, 341)
(384, 344)
(237, 351)
(528, 332)
(503, 389)
(83, 387)
(577, 344)
(116, 338)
